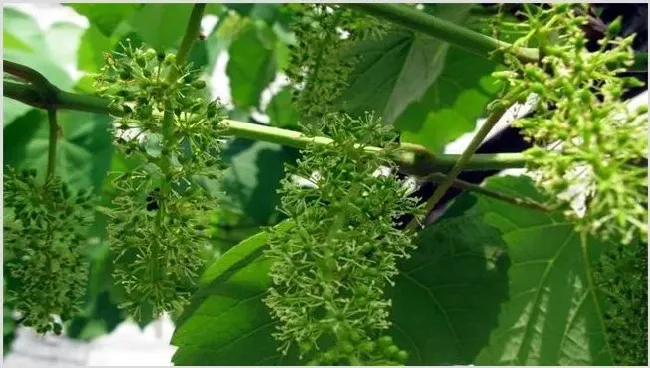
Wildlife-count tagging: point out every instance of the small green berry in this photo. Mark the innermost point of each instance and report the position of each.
(385, 341)
(402, 356)
(367, 347)
(347, 348)
(161, 56)
(199, 84)
(391, 350)
(149, 54)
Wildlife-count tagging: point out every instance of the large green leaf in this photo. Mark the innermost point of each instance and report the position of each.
(554, 315)
(252, 64)
(105, 17)
(447, 297)
(83, 150)
(453, 104)
(398, 69)
(227, 322)
(161, 26)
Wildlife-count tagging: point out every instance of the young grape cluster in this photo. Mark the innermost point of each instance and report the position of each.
(45, 238)
(594, 138)
(332, 266)
(319, 67)
(157, 231)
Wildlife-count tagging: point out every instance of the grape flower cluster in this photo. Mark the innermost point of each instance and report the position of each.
(332, 266)
(46, 225)
(319, 66)
(158, 231)
(584, 134)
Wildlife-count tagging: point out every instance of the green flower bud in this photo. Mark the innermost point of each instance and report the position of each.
(199, 84)
(212, 110)
(125, 75)
(149, 54)
(632, 82)
(141, 61)
(170, 58)
(537, 88)
(614, 28)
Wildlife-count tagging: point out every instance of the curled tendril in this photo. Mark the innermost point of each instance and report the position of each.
(157, 232)
(330, 269)
(45, 230)
(600, 144)
(319, 68)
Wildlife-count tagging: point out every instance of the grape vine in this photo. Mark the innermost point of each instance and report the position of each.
(331, 267)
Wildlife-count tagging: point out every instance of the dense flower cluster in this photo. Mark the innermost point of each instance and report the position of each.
(584, 133)
(319, 67)
(332, 266)
(156, 231)
(45, 238)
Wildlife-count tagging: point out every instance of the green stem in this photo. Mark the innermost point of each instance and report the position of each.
(53, 138)
(464, 158)
(412, 158)
(191, 34)
(472, 41)
(29, 75)
(465, 38)
(464, 185)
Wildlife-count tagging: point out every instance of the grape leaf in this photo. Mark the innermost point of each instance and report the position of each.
(83, 150)
(161, 26)
(105, 17)
(453, 104)
(447, 297)
(554, 315)
(227, 322)
(281, 111)
(398, 69)
(252, 64)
